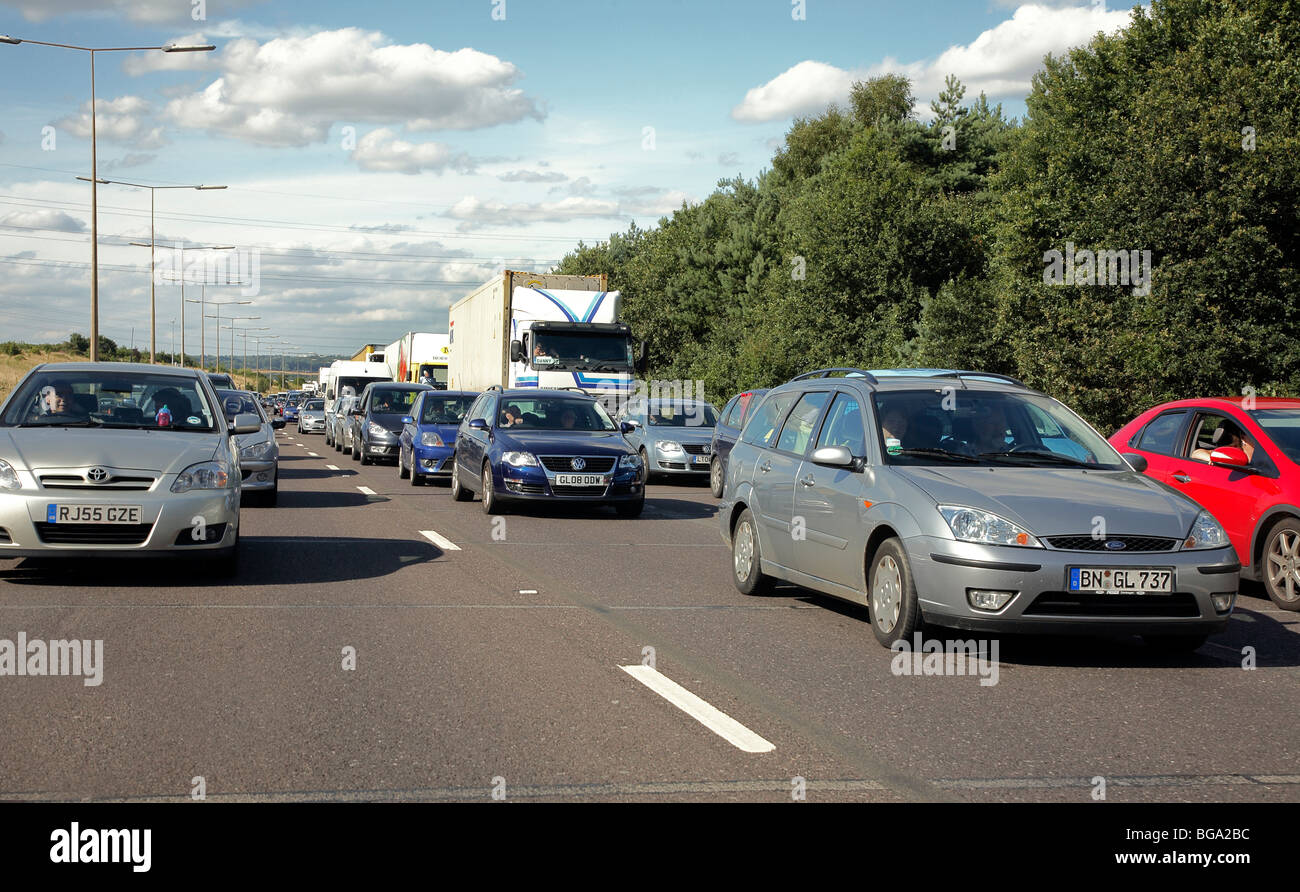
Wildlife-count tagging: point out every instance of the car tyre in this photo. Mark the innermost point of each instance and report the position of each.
(491, 502)
(1281, 564)
(891, 594)
(716, 477)
(746, 557)
(645, 465)
(459, 492)
(402, 473)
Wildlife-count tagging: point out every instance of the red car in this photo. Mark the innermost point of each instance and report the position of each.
(1239, 457)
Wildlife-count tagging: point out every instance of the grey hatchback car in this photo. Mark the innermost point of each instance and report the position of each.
(967, 500)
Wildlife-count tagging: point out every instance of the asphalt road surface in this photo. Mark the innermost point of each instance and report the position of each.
(489, 662)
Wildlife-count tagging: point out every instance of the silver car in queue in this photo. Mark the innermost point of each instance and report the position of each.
(119, 459)
(673, 436)
(259, 453)
(967, 500)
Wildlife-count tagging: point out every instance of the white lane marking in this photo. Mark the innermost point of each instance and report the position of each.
(707, 715)
(528, 591)
(441, 541)
(366, 490)
(332, 467)
(313, 455)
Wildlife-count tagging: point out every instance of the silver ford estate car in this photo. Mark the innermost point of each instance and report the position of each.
(967, 500)
(119, 459)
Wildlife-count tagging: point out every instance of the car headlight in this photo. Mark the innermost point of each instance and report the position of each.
(431, 438)
(256, 451)
(668, 447)
(1206, 532)
(377, 430)
(204, 475)
(974, 525)
(629, 461)
(8, 476)
(520, 459)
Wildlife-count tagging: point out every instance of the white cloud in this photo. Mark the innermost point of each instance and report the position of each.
(290, 90)
(43, 218)
(533, 176)
(1000, 62)
(382, 150)
(124, 119)
(474, 212)
(130, 159)
(147, 11)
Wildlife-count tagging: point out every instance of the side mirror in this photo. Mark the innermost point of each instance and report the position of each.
(407, 419)
(478, 424)
(516, 351)
(247, 423)
(1135, 461)
(627, 426)
(834, 456)
(277, 423)
(1230, 456)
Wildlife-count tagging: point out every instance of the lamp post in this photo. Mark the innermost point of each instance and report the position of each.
(269, 339)
(243, 331)
(219, 304)
(152, 189)
(94, 161)
(232, 336)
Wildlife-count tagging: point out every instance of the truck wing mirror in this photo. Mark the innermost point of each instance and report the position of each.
(516, 351)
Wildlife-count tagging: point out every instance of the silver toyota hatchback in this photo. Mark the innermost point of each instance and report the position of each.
(118, 459)
(967, 500)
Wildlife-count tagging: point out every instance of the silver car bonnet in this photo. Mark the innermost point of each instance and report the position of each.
(267, 432)
(167, 452)
(1061, 501)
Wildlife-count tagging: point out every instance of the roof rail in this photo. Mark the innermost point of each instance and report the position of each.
(993, 375)
(826, 373)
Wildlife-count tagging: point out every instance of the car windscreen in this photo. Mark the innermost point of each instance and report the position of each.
(553, 414)
(444, 409)
(986, 428)
(391, 401)
(105, 397)
(237, 402)
(315, 405)
(663, 414)
(582, 351)
(1283, 428)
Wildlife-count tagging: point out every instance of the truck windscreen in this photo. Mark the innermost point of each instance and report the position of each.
(580, 351)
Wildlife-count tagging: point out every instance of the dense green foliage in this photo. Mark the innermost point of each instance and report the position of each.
(876, 240)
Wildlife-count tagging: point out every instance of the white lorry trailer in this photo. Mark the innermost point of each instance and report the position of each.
(418, 352)
(543, 330)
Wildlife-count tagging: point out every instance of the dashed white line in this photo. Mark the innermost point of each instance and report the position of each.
(528, 591)
(439, 540)
(332, 467)
(707, 715)
(313, 455)
(365, 490)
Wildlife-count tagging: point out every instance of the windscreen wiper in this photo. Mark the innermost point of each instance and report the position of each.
(1039, 455)
(938, 453)
(56, 421)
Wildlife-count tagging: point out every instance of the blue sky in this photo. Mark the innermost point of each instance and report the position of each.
(383, 158)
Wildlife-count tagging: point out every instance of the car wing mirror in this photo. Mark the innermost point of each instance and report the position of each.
(407, 419)
(277, 423)
(247, 423)
(834, 456)
(627, 426)
(479, 424)
(1135, 461)
(1230, 456)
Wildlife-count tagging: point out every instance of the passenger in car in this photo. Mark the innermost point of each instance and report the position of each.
(58, 399)
(893, 426)
(1227, 435)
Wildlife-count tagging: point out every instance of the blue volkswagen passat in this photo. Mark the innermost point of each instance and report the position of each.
(428, 437)
(545, 445)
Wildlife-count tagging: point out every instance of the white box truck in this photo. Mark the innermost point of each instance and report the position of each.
(350, 377)
(543, 330)
(416, 353)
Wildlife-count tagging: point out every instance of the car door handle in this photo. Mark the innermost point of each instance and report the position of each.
(1181, 477)
(808, 481)
(765, 467)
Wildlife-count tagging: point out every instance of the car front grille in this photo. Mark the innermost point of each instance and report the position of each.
(93, 533)
(1132, 544)
(1179, 604)
(563, 464)
(696, 448)
(116, 483)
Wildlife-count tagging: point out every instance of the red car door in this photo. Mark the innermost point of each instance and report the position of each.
(1160, 442)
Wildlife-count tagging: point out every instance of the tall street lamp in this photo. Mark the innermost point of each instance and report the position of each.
(244, 332)
(94, 161)
(152, 189)
(182, 281)
(232, 337)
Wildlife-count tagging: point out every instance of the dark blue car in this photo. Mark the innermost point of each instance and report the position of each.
(428, 438)
(727, 431)
(544, 445)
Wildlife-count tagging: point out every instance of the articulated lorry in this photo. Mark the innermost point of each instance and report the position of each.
(543, 330)
(418, 352)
